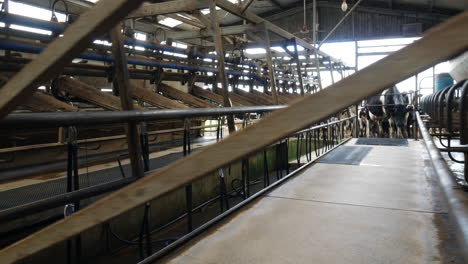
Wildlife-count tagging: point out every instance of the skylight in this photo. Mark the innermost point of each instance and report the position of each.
(32, 11)
(170, 22)
(255, 51)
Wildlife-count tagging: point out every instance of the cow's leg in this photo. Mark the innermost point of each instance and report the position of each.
(367, 128)
(390, 129)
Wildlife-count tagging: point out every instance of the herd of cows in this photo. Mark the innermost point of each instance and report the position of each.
(390, 114)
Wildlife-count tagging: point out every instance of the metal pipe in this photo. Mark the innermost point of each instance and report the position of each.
(456, 198)
(27, 48)
(58, 119)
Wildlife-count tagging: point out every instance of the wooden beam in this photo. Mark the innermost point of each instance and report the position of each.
(443, 42)
(91, 94)
(155, 99)
(244, 100)
(122, 83)
(41, 102)
(222, 75)
(198, 91)
(169, 7)
(254, 96)
(271, 68)
(186, 20)
(187, 98)
(204, 33)
(62, 50)
(298, 66)
(253, 18)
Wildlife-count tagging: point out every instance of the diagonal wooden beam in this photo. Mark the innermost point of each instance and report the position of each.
(443, 42)
(61, 51)
(41, 102)
(169, 7)
(122, 83)
(155, 99)
(91, 94)
(187, 98)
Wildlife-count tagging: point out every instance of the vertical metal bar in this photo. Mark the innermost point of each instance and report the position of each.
(314, 37)
(356, 129)
(433, 80)
(188, 188)
(266, 175)
(331, 70)
(356, 58)
(271, 69)
(222, 75)
(298, 63)
(122, 81)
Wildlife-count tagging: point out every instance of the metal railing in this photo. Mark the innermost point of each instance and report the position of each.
(311, 144)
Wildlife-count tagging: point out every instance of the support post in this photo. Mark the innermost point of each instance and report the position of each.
(314, 37)
(331, 70)
(298, 63)
(271, 70)
(222, 76)
(122, 81)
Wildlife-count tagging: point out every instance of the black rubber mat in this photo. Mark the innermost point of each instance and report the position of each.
(398, 142)
(34, 192)
(347, 155)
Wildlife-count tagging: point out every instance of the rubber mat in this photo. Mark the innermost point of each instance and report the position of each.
(397, 142)
(27, 194)
(347, 155)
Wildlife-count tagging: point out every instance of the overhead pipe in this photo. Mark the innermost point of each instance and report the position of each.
(58, 119)
(27, 48)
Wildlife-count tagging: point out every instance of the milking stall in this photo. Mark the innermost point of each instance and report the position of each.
(234, 131)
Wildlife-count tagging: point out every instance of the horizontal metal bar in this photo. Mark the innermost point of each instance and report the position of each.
(62, 199)
(457, 199)
(58, 119)
(454, 149)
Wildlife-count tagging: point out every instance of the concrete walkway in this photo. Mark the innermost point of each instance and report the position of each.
(386, 209)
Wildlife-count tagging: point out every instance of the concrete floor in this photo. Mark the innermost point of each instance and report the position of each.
(387, 209)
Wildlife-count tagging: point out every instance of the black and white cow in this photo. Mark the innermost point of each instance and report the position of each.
(377, 114)
(395, 104)
(363, 121)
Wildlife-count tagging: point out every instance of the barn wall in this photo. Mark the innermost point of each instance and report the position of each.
(369, 23)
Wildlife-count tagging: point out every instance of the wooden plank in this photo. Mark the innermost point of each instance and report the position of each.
(122, 83)
(91, 94)
(441, 43)
(62, 50)
(198, 91)
(169, 7)
(41, 102)
(251, 17)
(222, 75)
(242, 99)
(253, 98)
(271, 70)
(189, 99)
(155, 99)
